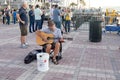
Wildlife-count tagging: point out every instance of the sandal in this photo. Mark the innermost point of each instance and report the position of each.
(55, 61)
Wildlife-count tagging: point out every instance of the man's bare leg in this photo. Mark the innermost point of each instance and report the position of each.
(57, 49)
(48, 48)
(23, 42)
(23, 39)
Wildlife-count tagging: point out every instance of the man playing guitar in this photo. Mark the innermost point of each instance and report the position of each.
(52, 29)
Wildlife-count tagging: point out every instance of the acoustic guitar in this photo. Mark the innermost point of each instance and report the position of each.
(50, 38)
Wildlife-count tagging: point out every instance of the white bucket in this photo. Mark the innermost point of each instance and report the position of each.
(43, 62)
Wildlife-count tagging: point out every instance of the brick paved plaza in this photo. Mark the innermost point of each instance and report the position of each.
(82, 59)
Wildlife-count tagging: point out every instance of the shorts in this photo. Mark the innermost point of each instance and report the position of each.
(23, 29)
(53, 46)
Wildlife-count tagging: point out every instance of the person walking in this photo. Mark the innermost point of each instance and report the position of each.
(32, 19)
(38, 14)
(23, 23)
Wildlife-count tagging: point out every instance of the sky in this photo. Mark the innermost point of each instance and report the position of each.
(101, 3)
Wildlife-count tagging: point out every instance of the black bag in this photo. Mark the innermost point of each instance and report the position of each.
(31, 56)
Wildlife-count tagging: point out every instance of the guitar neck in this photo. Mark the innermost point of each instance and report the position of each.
(63, 38)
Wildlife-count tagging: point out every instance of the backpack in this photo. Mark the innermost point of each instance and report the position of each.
(31, 56)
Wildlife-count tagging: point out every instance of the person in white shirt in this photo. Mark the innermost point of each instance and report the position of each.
(51, 12)
(38, 14)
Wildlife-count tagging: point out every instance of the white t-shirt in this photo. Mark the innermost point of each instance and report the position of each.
(38, 14)
(51, 13)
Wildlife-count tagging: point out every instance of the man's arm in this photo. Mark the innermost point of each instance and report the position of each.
(19, 19)
(60, 36)
(38, 33)
(41, 12)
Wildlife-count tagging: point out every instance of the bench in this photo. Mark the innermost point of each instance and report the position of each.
(112, 28)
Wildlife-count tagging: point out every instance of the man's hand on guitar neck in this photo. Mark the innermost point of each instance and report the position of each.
(61, 40)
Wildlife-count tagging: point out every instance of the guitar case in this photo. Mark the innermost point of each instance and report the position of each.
(31, 56)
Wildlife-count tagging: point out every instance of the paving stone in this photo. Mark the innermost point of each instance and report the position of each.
(82, 59)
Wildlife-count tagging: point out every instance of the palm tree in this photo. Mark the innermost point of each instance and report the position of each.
(47, 5)
(72, 4)
(82, 2)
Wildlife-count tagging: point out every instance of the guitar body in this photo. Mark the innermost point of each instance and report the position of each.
(41, 42)
(49, 37)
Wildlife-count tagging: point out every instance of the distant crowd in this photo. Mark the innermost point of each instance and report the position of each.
(61, 17)
(7, 14)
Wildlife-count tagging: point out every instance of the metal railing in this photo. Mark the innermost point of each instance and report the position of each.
(79, 19)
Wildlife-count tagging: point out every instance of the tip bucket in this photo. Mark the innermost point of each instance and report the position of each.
(43, 62)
